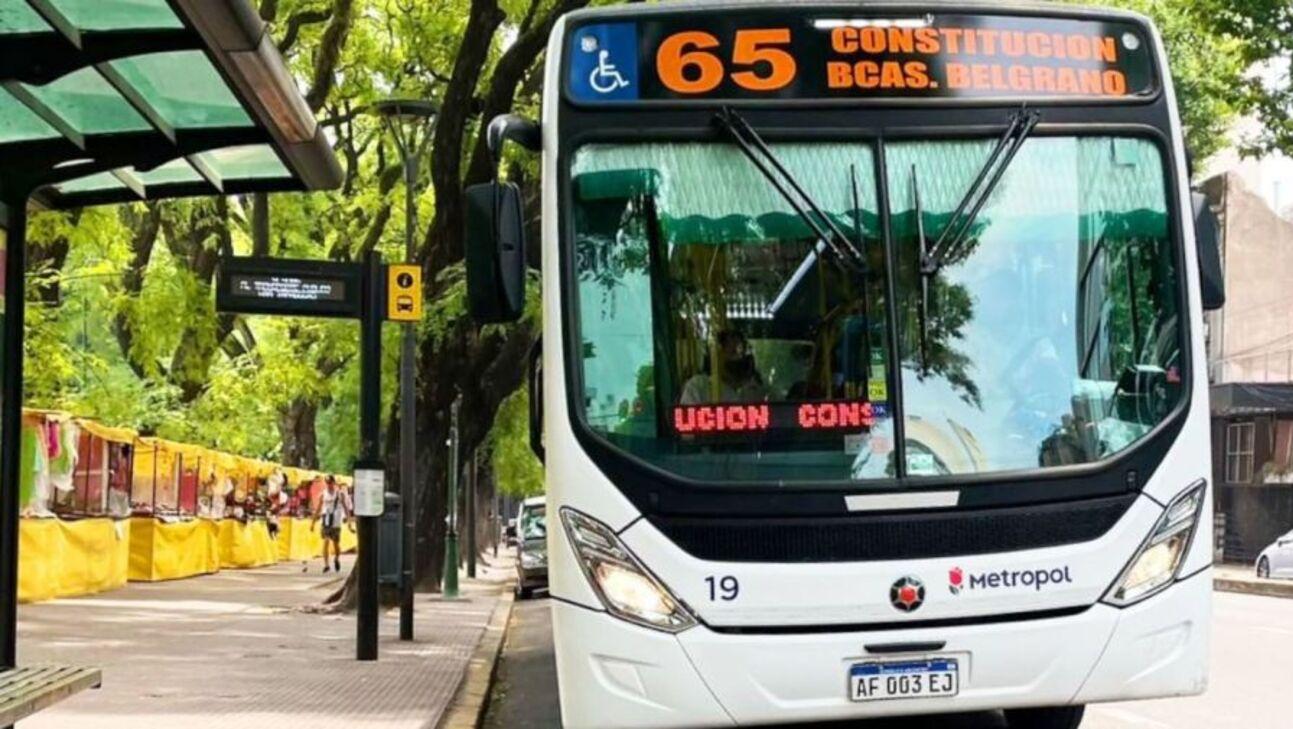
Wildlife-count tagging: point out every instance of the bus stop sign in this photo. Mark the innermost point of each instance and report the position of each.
(404, 293)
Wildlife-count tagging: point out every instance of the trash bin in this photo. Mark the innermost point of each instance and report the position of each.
(390, 544)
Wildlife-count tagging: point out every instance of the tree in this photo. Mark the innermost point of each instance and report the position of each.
(1217, 51)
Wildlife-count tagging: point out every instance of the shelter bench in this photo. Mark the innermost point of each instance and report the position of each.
(25, 691)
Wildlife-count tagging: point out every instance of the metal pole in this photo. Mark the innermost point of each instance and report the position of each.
(11, 430)
(370, 431)
(471, 516)
(451, 507)
(408, 412)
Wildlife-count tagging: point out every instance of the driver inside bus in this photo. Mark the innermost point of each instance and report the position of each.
(738, 379)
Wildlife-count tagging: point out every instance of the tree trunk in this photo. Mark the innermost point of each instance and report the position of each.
(296, 429)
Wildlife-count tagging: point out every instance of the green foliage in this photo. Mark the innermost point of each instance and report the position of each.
(516, 471)
(1217, 50)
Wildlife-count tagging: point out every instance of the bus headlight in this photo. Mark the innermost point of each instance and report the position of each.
(626, 588)
(1158, 561)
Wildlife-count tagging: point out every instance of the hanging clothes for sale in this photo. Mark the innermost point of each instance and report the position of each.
(34, 484)
(62, 462)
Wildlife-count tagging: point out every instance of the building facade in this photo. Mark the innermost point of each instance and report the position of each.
(1250, 366)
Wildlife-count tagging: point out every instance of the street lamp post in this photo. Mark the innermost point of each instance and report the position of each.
(450, 585)
(409, 123)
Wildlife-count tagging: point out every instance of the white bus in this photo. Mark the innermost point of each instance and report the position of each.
(872, 375)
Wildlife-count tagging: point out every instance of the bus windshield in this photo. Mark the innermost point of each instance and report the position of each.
(724, 341)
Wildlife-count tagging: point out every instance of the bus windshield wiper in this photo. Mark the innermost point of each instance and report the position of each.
(957, 230)
(958, 226)
(760, 155)
(922, 313)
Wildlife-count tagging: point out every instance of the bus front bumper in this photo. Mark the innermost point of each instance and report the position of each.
(614, 674)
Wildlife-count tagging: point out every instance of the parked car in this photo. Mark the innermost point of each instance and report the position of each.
(509, 532)
(1277, 559)
(531, 547)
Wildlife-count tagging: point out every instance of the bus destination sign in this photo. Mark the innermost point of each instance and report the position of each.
(774, 56)
(292, 287)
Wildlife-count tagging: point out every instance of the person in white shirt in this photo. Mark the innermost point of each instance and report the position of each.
(333, 508)
(738, 377)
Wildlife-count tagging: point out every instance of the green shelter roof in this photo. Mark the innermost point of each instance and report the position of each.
(105, 101)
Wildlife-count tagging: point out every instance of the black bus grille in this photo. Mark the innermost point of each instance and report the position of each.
(910, 535)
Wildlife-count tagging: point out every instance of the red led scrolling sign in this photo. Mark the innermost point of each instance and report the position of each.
(735, 418)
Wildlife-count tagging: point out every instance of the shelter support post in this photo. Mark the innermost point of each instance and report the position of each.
(11, 426)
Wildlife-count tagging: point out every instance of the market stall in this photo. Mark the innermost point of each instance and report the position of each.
(103, 505)
(69, 542)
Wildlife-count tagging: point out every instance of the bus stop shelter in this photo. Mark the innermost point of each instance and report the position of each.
(113, 101)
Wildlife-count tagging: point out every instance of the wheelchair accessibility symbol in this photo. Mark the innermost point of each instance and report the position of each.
(605, 78)
(604, 63)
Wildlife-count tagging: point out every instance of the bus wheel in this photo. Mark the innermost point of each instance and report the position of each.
(523, 593)
(1059, 717)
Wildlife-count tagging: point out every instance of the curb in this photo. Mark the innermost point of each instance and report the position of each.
(1268, 588)
(467, 710)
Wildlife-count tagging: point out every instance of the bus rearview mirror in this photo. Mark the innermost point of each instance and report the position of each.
(1207, 238)
(495, 252)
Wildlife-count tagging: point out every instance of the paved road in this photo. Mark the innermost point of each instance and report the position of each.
(1252, 665)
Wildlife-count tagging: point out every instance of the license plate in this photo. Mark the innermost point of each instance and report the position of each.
(936, 677)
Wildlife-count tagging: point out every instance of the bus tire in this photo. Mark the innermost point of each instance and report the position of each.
(1058, 717)
(523, 593)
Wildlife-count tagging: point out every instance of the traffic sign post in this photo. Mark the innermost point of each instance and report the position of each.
(339, 290)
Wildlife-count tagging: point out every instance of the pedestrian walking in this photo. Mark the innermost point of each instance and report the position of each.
(334, 508)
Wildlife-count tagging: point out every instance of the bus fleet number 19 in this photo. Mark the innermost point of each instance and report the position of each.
(723, 588)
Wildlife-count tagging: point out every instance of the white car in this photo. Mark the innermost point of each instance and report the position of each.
(1277, 559)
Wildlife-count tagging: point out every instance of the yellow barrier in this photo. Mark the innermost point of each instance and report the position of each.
(297, 541)
(161, 551)
(70, 558)
(245, 545)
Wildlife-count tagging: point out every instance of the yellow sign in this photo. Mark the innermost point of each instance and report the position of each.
(404, 293)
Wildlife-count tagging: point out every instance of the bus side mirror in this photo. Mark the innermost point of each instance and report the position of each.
(1207, 238)
(495, 245)
(495, 252)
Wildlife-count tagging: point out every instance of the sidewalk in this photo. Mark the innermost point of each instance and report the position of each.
(1240, 578)
(233, 650)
